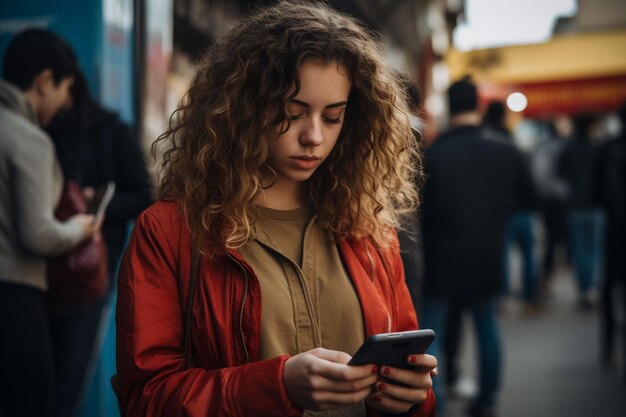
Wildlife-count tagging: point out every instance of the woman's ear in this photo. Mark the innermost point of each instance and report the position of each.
(43, 82)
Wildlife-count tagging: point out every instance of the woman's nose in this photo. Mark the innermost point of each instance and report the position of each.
(312, 133)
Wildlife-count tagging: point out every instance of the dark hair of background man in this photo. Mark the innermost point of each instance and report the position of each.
(34, 50)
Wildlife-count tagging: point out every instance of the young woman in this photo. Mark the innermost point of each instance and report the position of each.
(290, 163)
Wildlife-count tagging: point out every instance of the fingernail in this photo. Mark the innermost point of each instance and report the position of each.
(374, 369)
(378, 398)
(386, 370)
(412, 359)
(381, 387)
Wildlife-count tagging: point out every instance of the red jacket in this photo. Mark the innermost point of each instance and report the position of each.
(226, 378)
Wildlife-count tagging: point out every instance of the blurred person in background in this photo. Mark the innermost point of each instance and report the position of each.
(585, 219)
(94, 147)
(610, 187)
(408, 236)
(457, 385)
(520, 231)
(551, 193)
(38, 71)
(473, 185)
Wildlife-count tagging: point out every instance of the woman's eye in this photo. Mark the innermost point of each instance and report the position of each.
(332, 121)
(296, 116)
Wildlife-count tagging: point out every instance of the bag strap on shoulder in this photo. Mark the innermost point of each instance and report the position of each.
(193, 285)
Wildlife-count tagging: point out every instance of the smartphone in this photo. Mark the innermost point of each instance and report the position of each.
(392, 349)
(101, 200)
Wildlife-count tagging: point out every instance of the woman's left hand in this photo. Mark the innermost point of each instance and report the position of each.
(88, 193)
(412, 385)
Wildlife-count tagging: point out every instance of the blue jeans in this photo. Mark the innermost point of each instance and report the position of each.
(586, 234)
(520, 233)
(434, 315)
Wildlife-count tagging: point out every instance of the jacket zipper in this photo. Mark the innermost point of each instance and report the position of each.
(243, 304)
(373, 277)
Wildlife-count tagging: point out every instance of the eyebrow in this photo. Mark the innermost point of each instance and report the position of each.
(330, 106)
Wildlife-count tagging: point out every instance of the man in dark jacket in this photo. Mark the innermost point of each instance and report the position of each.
(473, 185)
(520, 228)
(610, 187)
(94, 147)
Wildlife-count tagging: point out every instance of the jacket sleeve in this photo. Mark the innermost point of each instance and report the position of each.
(32, 187)
(405, 319)
(153, 379)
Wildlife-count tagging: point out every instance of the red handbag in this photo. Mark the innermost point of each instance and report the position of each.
(79, 278)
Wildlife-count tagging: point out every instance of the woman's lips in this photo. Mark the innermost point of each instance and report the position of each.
(305, 161)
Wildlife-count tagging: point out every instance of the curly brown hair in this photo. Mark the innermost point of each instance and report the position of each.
(218, 138)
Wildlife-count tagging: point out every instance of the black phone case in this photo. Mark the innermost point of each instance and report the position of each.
(392, 349)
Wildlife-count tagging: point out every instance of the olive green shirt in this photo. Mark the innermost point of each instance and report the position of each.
(308, 300)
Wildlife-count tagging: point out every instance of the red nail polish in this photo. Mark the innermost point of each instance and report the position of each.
(374, 369)
(378, 398)
(386, 371)
(412, 359)
(381, 387)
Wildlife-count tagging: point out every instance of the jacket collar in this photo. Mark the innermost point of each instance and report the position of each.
(462, 130)
(13, 99)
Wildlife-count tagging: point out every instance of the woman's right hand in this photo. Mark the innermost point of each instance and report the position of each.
(87, 224)
(321, 379)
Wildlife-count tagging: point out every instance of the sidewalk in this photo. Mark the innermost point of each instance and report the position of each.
(551, 361)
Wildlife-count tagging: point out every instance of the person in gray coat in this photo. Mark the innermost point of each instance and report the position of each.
(38, 71)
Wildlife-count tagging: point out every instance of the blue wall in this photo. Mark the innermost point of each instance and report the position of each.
(103, 44)
(78, 22)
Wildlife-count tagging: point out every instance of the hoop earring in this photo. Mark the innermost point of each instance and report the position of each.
(273, 175)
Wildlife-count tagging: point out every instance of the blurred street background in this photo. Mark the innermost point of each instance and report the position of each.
(552, 360)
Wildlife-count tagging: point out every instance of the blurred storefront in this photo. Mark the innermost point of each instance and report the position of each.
(580, 69)
(569, 74)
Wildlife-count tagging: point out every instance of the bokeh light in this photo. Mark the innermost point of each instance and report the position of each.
(516, 102)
